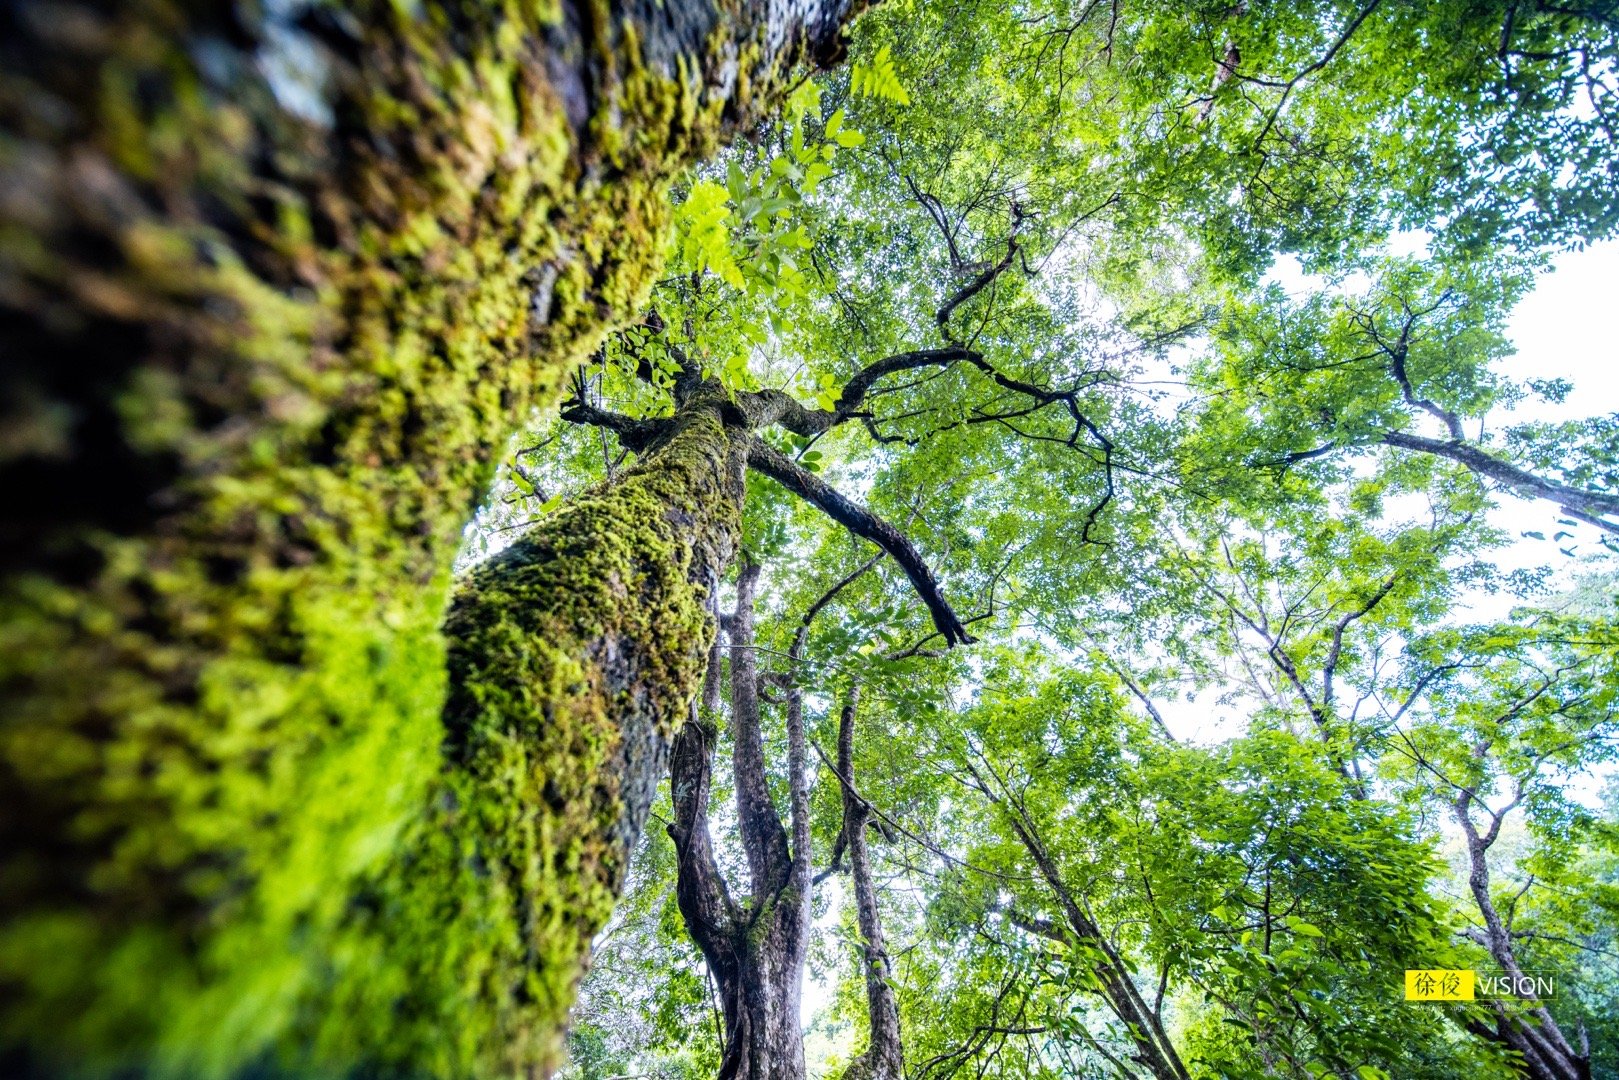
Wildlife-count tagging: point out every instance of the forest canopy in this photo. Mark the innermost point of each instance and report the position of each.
(950, 539)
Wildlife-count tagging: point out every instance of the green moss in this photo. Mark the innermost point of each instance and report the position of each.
(591, 626)
(270, 387)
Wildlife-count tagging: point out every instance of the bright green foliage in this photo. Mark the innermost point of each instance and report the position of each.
(750, 232)
(705, 241)
(876, 78)
(1511, 711)
(1278, 912)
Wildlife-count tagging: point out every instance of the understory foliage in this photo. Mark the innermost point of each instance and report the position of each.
(1173, 338)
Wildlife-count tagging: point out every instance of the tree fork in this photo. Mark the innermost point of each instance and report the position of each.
(755, 949)
(279, 282)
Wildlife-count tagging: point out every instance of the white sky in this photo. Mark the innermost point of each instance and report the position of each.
(1565, 329)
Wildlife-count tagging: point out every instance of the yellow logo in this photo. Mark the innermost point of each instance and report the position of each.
(1438, 984)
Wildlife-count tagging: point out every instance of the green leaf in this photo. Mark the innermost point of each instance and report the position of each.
(806, 98)
(878, 79)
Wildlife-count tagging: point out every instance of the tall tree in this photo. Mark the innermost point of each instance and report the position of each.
(1489, 722)
(279, 283)
(312, 267)
(755, 949)
(884, 1055)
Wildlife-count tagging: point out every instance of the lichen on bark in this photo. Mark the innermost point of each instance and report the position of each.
(277, 283)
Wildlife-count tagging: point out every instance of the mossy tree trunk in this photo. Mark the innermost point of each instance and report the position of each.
(572, 656)
(277, 284)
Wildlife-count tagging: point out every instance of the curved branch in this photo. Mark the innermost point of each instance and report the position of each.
(765, 408)
(855, 390)
(700, 889)
(862, 522)
(1590, 505)
(935, 210)
(977, 284)
(826, 598)
(1397, 353)
(769, 407)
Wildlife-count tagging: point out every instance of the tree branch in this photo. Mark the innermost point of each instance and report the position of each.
(862, 522)
(633, 434)
(700, 890)
(1591, 505)
(763, 838)
(977, 284)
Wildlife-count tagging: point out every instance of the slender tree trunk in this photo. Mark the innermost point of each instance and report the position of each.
(764, 1040)
(1153, 1048)
(279, 282)
(884, 1057)
(755, 949)
(1547, 1053)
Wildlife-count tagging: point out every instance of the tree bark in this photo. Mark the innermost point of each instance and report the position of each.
(755, 949)
(1591, 507)
(884, 1056)
(1547, 1054)
(279, 282)
(573, 657)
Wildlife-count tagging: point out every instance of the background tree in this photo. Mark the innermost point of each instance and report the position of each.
(1026, 251)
